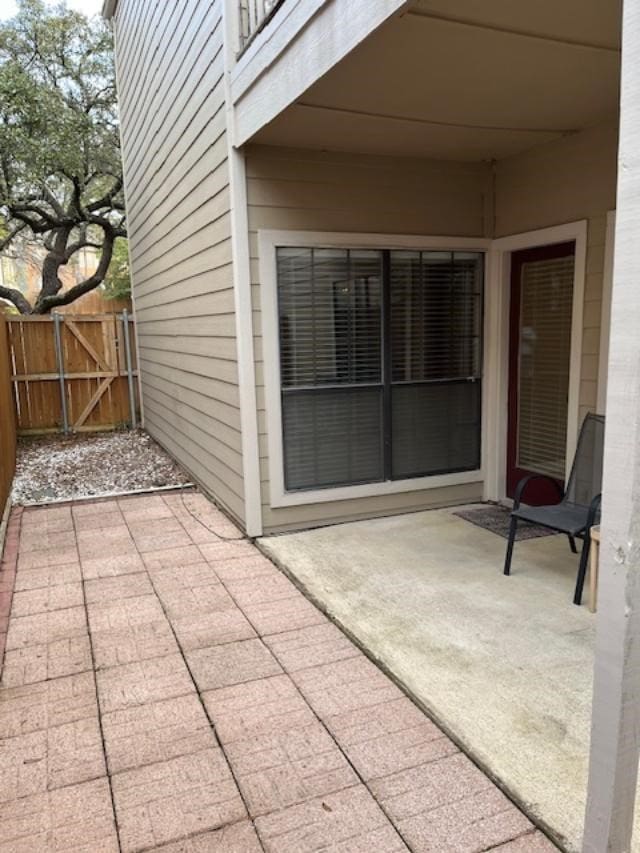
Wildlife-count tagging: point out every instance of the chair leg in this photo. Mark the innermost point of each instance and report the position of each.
(512, 536)
(582, 570)
(572, 545)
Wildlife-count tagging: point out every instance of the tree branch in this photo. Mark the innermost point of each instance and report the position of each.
(107, 199)
(6, 241)
(72, 248)
(77, 197)
(53, 201)
(16, 298)
(29, 207)
(46, 303)
(36, 226)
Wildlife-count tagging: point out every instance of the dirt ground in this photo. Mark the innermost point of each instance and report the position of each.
(58, 467)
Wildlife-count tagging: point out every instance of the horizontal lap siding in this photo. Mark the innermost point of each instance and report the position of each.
(171, 86)
(565, 181)
(310, 190)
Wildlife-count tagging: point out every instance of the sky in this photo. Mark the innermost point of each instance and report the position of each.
(89, 7)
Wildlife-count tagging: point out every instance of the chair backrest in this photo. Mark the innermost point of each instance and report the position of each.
(585, 480)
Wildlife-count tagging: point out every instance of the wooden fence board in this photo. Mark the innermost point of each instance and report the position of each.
(94, 370)
(7, 419)
(94, 303)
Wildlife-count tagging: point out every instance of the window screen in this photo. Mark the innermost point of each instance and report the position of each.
(380, 363)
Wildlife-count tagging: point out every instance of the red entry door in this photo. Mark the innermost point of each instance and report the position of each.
(539, 361)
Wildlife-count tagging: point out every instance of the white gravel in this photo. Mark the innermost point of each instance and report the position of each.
(58, 467)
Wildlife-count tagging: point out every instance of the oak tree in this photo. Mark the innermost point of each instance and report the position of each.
(60, 166)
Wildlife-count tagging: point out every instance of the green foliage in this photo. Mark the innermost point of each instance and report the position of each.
(57, 97)
(117, 282)
(60, 168)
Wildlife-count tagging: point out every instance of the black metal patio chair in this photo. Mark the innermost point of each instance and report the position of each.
(579, 506)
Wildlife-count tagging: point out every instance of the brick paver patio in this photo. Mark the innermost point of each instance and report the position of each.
(165, 687)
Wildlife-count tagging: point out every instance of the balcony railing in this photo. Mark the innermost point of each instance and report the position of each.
(254, 14)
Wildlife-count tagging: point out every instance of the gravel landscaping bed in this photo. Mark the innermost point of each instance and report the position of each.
(59, 467)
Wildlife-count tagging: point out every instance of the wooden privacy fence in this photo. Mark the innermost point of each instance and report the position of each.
(7, 420)
(73, 373)
(95, 303)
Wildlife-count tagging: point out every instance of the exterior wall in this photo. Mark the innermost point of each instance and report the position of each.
(170, 63)
(314, 191)
(564, 181)
(171, 67)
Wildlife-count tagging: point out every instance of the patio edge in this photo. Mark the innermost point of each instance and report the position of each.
(560, 842)
(9, 541)
(104, 496)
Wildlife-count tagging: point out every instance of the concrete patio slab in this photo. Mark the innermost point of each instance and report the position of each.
(192, 700)
(505, 664)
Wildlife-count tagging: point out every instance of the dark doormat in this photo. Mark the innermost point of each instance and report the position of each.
(497, 518)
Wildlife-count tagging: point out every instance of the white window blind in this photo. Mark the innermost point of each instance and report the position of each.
(546, 299)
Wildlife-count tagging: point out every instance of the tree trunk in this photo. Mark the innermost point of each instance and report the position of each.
(51, 282)
(51, 293)
(54, 298)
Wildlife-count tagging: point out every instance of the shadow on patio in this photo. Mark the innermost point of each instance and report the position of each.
(504, 664)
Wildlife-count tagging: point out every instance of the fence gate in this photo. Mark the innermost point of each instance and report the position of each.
(73, 373)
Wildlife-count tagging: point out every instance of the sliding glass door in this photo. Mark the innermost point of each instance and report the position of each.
(436, 336)
(380, 364)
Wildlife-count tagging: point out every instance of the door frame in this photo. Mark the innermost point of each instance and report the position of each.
(605, 318)
(498, 294)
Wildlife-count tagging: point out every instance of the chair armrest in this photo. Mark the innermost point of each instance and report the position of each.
(524, 482)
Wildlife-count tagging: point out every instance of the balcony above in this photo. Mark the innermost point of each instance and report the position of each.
(477, 82)
(253, 16)
(288, 45)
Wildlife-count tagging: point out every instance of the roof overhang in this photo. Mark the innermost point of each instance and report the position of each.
(499, 80)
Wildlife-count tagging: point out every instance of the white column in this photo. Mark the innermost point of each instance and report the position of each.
(242, 291)
(615, 738)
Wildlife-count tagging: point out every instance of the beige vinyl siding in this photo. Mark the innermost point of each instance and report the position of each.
(171, 87)
(315, 191)
(574, 178)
